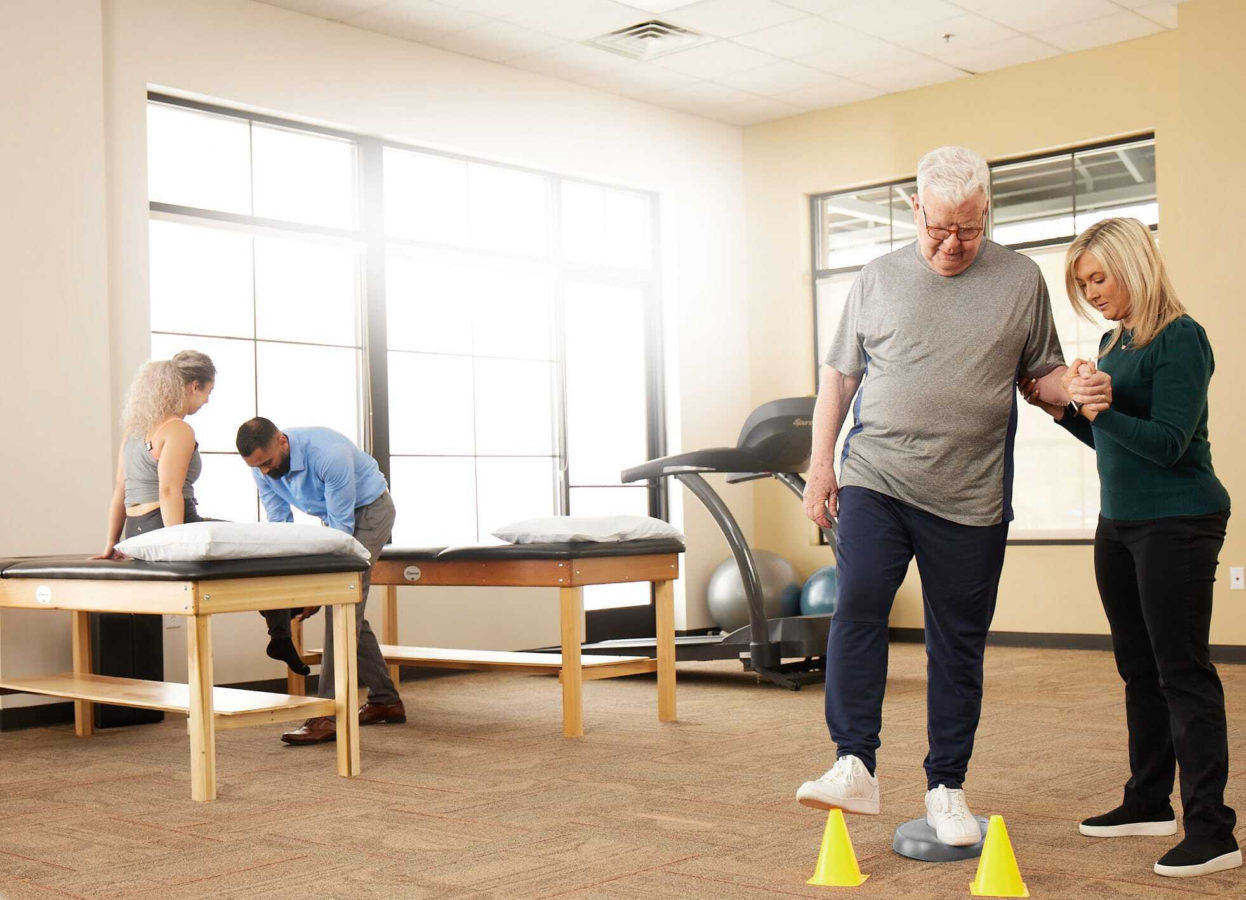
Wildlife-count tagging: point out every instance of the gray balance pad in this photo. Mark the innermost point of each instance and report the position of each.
(917, 840)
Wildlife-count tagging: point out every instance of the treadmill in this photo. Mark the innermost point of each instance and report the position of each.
(775, 442)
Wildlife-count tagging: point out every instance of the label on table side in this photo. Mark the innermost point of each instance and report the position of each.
(412, 573)
(43, 594)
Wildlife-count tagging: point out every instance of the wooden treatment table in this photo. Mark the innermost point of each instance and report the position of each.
(568, 567)
(198, 591)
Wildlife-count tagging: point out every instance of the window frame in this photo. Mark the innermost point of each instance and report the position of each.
(374, 244)
(1045, 537)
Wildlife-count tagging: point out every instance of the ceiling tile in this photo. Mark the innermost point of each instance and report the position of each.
(415, 20)
(491, 8)
(797, 38)
(757, 110)
(639, 79)
(883, 17)
(575, 20)
(326, 9)
(657, 6)
(1123, 26)
(701, 97)
(833, 91)
(570, 61)
(498, 41)
(819, 7)
(906, 77)
(1041, 15)
(1001, 55)
(714, 60)
(861, 53)
(1163, 13)
(727, 18)
(774, 79)
(966, 31)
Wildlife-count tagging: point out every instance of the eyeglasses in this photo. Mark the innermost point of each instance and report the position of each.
(962, 232)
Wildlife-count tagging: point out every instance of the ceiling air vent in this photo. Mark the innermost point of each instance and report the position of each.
(649, 40)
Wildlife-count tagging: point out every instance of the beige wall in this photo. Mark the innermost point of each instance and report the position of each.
(1185, 85)
(90, 318)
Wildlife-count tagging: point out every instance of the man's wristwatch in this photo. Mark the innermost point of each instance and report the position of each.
(1073, 408)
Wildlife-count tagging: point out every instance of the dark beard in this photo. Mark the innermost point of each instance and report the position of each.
(281, 470)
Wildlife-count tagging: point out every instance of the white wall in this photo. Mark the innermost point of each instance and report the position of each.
(258, 57)
(54, 359)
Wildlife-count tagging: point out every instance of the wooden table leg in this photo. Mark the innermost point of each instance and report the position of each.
(201, 724)
(84, 710)
(664, 601)
(571, 603)
(389, 628)
(346, 688)
(296, 684)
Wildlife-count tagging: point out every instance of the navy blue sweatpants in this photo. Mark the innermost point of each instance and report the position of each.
(959, 567)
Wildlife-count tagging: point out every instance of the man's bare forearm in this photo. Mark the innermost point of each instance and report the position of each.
(835, 395)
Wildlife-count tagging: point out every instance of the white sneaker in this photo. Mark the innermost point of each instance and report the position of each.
(948, 814)
(848, 786)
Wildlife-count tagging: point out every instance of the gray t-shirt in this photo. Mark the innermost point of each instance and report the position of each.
(936, 416)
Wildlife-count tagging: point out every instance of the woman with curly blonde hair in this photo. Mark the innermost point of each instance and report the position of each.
(159, 462)
(1162, 523)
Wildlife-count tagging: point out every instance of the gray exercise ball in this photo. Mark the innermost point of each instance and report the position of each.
(780, 588)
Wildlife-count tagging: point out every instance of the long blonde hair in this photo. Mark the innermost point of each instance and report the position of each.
(1128, 251)
(158, 391)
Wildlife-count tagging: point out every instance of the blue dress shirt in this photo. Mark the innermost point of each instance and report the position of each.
(329, 478)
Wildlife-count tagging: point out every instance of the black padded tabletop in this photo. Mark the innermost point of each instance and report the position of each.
(63, 567)
(565, 550)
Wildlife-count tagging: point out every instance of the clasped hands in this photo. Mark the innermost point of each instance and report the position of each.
(1083, 382)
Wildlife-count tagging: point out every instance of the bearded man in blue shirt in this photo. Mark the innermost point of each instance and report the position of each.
(323, 473)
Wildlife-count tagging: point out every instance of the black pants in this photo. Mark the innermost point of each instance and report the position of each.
(278, 619)
(960, 567)
(1155, 578)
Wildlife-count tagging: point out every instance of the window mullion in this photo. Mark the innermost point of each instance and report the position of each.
(375, 335)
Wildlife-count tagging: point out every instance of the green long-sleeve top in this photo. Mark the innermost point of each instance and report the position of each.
(1151, 446)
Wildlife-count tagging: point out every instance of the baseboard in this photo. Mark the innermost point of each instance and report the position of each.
(1220, 653)
(17, 717)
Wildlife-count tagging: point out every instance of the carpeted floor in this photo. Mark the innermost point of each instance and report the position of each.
(480, 796)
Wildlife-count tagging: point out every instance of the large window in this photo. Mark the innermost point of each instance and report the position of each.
(1038, 205)
(489, 333)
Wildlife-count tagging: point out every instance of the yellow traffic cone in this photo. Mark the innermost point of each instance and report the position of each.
(837, 864)
(998, 875)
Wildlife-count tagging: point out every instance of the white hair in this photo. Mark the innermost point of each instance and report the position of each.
(954, 174)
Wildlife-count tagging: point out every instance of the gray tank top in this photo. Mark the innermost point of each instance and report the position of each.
(142, 479)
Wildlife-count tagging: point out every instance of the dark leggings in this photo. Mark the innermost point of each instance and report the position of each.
(1155, 578)
(278, 619)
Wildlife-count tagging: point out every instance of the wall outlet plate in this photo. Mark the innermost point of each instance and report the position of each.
(1237, 578)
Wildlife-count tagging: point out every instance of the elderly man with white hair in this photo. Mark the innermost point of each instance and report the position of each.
(932, 340)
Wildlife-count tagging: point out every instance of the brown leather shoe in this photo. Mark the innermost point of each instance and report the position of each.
(382, 714)
(313, 731)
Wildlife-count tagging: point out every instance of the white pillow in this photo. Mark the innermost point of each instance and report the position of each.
(562, 529)
(239, 540)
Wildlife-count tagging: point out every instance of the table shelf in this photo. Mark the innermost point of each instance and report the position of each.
(231, 707)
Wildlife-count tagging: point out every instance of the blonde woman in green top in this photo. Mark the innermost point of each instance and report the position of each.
(1163, 512)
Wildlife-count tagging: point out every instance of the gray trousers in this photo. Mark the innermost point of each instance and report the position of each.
(374, 524)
